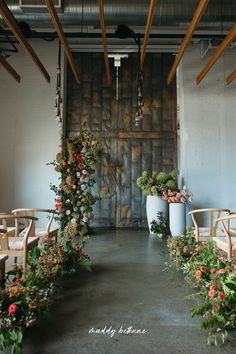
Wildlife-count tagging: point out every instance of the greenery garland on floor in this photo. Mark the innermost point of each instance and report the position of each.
(76, 165)
(205, 269)
(28, 295)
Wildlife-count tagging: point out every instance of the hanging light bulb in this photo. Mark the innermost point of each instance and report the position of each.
(140, 103)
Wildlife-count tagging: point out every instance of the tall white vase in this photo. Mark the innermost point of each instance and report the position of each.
(155, 205)
(177, 218)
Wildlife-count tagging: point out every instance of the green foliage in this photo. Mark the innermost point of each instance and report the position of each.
(160, 226)
(28, 295)
(205, 269)
(157, 183)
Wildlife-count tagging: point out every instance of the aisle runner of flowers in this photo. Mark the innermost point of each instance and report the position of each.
(25, 296)
(215, 278)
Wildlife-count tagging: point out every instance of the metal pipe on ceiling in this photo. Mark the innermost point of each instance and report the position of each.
(132, 13)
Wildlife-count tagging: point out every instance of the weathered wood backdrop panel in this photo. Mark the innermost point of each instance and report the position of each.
(128, 150)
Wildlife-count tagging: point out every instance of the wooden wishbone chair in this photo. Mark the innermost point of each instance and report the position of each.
(3, 258)
(227, 242)
(207, 233)
(3, 225)
(47, 233)
(18, 246)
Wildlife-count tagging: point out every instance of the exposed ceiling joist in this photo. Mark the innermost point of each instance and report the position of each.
(224, 44)
(196, 18)
(104, 40)
(147, 31)
(14, 27)
(231, 77)
(10, 69)
(62, 37)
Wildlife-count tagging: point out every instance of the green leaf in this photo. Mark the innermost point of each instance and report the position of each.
(231, 285)
(14, 335)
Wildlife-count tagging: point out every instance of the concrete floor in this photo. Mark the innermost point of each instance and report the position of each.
(126, 288)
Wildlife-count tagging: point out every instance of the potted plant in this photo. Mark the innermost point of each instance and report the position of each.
(153, 186)
(177, 209)
(160, 227)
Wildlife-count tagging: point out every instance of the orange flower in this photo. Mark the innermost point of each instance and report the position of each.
(13, 290)
(222, 271)
(32, 304)
(198, 274)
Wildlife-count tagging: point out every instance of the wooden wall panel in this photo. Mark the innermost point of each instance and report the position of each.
(127, 149)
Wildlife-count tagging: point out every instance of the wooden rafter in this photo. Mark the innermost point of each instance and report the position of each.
(147, 31)
(14, 27)
(62, 37)
(196, 18)
(231, 77)
(9, 69)
(104, 40)
(224, 44)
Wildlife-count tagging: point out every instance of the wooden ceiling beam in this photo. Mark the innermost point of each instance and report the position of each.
(147, 31)
(224, 44)
(10, 69)
(231, 77)
(14, 27)
(104, 40)
(196, 19)
(62, 37)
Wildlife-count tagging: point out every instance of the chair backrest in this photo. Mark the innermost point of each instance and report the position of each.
(8, 217)
(225, 222)
(212, 215)
(32, 212)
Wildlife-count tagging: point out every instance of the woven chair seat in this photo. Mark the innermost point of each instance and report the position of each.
(16, 243)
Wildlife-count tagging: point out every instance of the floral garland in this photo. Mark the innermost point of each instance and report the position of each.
(28, 295)
(207, 270)
(75, 162)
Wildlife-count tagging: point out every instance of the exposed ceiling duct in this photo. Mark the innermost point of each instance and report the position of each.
(169, 13)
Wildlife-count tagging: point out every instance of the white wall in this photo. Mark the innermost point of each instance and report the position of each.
(208, 129)
(29, 134)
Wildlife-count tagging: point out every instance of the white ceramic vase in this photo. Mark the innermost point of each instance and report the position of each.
(155, 205)
(177, 218)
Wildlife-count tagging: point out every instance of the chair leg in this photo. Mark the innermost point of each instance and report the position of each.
(2, 271)
(25, 261)
(56, 236)
(15, 260)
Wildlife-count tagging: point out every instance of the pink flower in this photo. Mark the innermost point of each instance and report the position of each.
(12, 309)
(203, 269)
(211, 293)
(81, 165)
(212, 270)
(68, 170)
(74, 186)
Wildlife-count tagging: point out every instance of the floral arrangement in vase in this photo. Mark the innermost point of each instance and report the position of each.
(181, 196)
(156, 183)
(76, 165)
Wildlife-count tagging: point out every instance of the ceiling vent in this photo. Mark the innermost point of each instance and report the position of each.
(34, 4)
